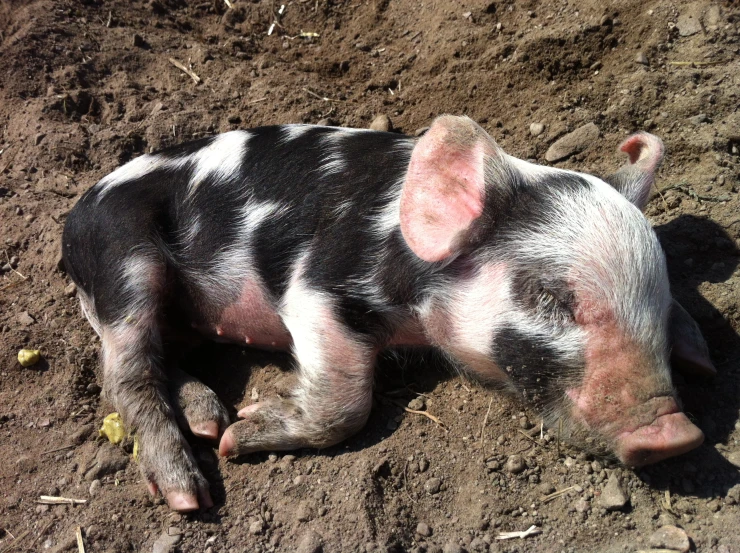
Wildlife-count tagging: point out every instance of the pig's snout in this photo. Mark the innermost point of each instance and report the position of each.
(671, 433)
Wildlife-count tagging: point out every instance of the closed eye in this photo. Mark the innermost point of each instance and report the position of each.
(554, 308)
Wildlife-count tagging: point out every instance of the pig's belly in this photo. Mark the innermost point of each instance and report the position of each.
(251, 320)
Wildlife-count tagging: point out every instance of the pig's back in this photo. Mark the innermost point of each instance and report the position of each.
(246, 206)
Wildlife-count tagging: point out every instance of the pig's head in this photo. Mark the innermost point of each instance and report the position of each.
(555, 284)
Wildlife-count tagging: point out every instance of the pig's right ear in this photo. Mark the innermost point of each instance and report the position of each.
(635, 178)
(689, 351)
(444, 190)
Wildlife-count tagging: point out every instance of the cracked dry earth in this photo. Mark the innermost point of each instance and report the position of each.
(86, 85)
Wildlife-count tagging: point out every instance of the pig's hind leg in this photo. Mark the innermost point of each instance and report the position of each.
(334, 393)
(127, 311)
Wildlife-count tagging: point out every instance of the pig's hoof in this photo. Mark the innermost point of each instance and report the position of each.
(274, 424)
(197, 407)
(174, 473)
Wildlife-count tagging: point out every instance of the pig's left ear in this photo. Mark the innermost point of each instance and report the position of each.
(635, 178)
(444, 190)
(689, 350)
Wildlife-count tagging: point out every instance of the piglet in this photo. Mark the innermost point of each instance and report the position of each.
(337, 243)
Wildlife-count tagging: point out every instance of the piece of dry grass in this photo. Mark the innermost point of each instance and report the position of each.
(54, 500)
(186, 70)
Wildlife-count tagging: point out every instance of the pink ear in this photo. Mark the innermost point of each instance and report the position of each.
(444, 189)
(635, 179)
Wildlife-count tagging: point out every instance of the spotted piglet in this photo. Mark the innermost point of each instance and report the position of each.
(337, 243)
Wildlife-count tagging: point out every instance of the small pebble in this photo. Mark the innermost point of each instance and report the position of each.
(515, 464)
(304, 512)
(698, 119)
(381, 123)
(452, 547)
(95, 486)
(256, 527)
(25, 318)
(546, 488)
(311, 542)
(613, 497)
(432, 486)
(70, 290)
(670, 537)
(416, 404)
(423, 465)
(572, 143)
(582, 505)
(641, 58)
(166, 543)
(423, 530)
(536, 129)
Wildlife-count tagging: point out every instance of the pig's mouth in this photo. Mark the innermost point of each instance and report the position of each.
(658, 430)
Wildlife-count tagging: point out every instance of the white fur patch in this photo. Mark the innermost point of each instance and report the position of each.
(220, 160)
(478, 308)
(328, 355)
(234, 264)
(291, 132)
(134, 169)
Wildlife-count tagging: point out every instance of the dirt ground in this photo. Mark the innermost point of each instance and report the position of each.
(86, 85)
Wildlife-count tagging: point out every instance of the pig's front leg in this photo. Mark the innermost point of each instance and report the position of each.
(137, 386)
(334, 393)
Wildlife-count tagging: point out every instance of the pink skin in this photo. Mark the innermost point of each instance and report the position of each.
(645, 150)
(671, 433)
(183, 502)
(444, 189)
(208, 430)
(614, 397)
(253, 320)
(227, 440)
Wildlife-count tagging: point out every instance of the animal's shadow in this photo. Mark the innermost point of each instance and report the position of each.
(712, 404)
(233, 372)
(700, 251)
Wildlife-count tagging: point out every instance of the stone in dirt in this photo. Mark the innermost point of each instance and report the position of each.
(670, 537)
(433, 485)
(311, 542)
(25, 318)
(573, 143)
(613, 497)
(712, 18)
(423, 529)
(381, 123)
(256, 527)
(109, 460)
(166, 543)
(304, 512)
(515, 464)
(688, 24)
(536, 129)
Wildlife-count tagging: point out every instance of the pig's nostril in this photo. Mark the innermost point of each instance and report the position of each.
(668, 436)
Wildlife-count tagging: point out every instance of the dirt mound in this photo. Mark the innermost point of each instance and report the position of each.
(86, 85)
